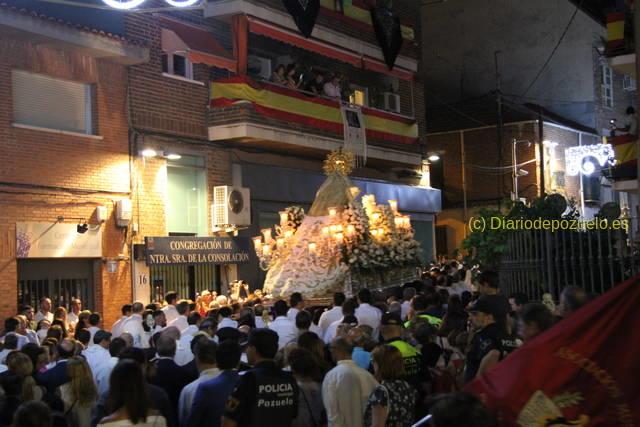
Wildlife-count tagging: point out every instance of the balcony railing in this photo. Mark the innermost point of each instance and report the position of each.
(238, 99)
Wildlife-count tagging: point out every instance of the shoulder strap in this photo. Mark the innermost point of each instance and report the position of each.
(313, 418)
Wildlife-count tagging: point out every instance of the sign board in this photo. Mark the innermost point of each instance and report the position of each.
(198, 250)
(57, 240)
(355, 136)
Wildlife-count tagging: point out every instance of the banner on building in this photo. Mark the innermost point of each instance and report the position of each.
(304, 14)
(57, 240)
(198, 250)
(388, 32)
(355, 135)
(576, 373)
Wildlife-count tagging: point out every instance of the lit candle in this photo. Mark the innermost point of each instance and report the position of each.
(394, 205)
(333, 211)
(398, 221)
(284, 218)
(288, 234)
(257, 243)
(380, 232)
(407, 221)
(312, 247)
(339, 237)
(339, 227)
(325, 231)
(375, 216)
(351, 230)
(266, 250)
(333, 229)
(279, 242)
(374, 232)
(266, 232)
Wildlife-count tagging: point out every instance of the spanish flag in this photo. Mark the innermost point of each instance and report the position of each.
(626, 154)
(582, 372)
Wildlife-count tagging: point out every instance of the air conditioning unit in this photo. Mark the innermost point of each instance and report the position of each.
(259, 66)
(231, 206)
(392, 102)
(629, 83)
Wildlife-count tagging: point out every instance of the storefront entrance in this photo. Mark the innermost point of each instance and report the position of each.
(186, 280)
(59, 280)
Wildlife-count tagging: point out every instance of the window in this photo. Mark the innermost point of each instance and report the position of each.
(177, 65)
(607, 86)
(187, 196)
(359, 95)
(46, 102)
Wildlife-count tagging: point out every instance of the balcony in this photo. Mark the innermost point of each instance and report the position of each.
(266, 115)
(620, 43)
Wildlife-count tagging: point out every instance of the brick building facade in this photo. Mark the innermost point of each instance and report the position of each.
(142, 101)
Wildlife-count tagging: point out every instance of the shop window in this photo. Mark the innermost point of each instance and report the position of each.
(187, 196)
(50, 103)
(177, 65)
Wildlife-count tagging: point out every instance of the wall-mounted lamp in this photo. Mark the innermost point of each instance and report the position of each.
(82, 228)
(148, 152)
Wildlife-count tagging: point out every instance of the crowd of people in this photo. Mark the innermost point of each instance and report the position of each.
(331, 85)
(375, 359)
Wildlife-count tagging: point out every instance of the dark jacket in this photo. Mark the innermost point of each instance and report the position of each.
(54, 377)
(172, 378)
(211, 398)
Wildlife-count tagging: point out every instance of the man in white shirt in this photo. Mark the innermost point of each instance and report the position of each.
(183, 353)
(348, 309)
(133, 325)
(116, 329)
(284, 327)
(297, 304)
(72, 316)
(16, 327)
(407, 294)
(206, 363)
(103, 372)
(45, 310)
(94, 326)
(332, 87)
(180, 322)
(170, 311)
(330, 316)
(346, 388)
(366, 313)
(224, 318)
(97, 354)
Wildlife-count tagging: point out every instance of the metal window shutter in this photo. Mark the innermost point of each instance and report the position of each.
(43, 101)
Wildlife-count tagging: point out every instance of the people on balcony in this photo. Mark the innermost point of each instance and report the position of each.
(279, 75)
(316, 84)
(332, 87)
(630, 123)
(293, 79)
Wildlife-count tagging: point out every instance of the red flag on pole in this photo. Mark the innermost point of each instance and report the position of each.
(585, 371)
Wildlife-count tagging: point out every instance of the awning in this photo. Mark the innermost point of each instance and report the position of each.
(199, 45)
(262, 28)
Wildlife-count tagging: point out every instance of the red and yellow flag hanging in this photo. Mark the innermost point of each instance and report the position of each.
(581, 372)
(290, 105)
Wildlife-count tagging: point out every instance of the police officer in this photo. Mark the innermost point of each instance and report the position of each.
(265, 394)
(490, 336)
(426, 308)
(391, 331)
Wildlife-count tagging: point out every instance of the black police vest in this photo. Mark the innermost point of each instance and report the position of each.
(276, 397)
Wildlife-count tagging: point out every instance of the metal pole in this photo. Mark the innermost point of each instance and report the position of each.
(581, 184)
(541, 142)
(514, 194)
(499, 125)
(463, 156)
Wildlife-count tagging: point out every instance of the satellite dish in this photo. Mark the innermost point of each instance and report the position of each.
(557, 203)
(236, 201)
(610, 211)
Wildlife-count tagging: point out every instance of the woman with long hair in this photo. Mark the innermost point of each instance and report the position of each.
(310, 341)
(311, 412)
(79, 394)
(128, 401)
(20, 365)
(392, 402)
